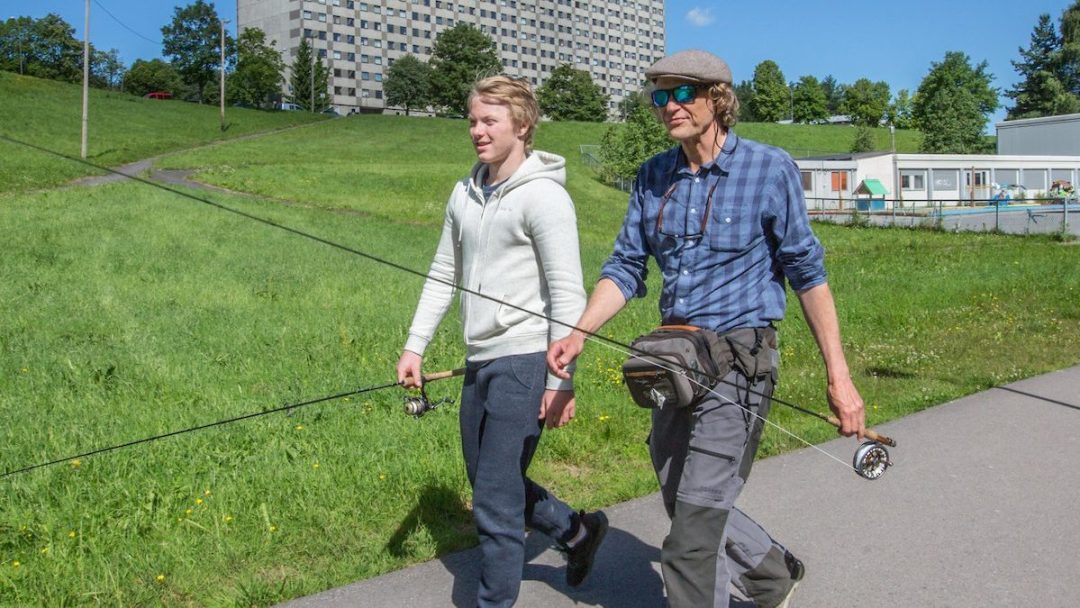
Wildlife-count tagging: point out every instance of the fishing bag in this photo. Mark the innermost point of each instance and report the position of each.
(675, 366)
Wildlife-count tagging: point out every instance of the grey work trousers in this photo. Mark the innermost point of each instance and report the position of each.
(500, 429)
(702, 457)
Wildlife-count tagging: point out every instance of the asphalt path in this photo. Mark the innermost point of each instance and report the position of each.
(980, 509)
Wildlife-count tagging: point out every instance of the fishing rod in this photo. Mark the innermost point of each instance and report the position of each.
(423, 407)
(873, 455)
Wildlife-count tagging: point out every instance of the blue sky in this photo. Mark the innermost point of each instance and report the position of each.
(849, 39)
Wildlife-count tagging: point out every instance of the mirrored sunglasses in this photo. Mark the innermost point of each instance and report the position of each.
(684, 93)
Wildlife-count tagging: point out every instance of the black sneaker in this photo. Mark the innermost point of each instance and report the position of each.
(797, 570)
(580, 557)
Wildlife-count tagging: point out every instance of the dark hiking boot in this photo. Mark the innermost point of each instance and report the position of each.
(580, 557)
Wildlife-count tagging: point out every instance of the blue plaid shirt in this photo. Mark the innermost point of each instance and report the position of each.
(729, 271)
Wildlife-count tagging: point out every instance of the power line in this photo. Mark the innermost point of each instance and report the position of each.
(124, 25)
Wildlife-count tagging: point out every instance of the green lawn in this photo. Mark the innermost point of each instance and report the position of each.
(129, 312)
(122, 128)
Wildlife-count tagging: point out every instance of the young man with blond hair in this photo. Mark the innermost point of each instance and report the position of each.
(725, 220)
(509, 239)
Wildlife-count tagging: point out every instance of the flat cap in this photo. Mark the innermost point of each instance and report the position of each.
(692, 64)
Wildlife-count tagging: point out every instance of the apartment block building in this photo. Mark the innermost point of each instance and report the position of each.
(613, 40)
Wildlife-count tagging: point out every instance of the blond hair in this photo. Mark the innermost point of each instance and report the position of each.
(517, 95)
(725, 103)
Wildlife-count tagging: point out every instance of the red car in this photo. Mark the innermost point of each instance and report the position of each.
(158, 95)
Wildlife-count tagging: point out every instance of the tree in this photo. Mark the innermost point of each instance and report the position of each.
(625, 146)
(632, 102)
(952, 104)
(899, 113)
(864, 140)
(1069, 66)
(772, 98)
(865, 102)
(408, 84)
(106, 69)
(808, 101)
(259, 70)
(309, 72)
(744, 92)
(45, 48)
(834, 94)
(1037, 94)
(193, 43)
(154, 75)
(461, 56)
(570, 94)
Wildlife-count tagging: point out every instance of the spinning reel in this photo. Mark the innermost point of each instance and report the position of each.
(418, 406)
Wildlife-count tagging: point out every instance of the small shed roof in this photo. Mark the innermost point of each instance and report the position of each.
(873, 187)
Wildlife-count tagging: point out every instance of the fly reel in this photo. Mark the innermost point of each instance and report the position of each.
(871, 460)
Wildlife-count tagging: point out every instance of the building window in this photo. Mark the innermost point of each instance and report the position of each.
(1035, 179)
(912, 180)
(944, 179)
(839, 181)
(807, 180)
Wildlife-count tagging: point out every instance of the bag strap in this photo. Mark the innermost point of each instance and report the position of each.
(680, 327)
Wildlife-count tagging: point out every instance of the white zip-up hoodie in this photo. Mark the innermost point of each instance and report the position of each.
(520, 247)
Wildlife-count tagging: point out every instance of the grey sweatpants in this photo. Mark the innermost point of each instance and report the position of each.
(702, 457)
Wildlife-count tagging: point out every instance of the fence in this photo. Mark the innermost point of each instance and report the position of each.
(1012, 219)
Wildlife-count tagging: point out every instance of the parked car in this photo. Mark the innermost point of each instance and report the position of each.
(284, 105)
(331, 111)
(158, 95)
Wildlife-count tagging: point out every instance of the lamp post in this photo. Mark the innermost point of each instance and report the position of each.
(223, 22)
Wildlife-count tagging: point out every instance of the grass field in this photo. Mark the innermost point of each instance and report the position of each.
(129, 312)
(122, 128)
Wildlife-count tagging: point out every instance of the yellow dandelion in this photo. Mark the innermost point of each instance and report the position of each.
(206, 492)
(188, 511)
(44, 550)
(228, 518)
(71, 534)
(24, 370)
(76, 463)
(299, 427)
(604, 418)
(15, 564)
(273, 528)
(198, 501)
(315, 466)
(382, 476)
(160, 578)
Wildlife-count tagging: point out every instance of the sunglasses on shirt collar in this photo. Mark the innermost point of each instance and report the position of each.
(684, 93)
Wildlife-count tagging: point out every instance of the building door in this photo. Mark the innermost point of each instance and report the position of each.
(977, 185)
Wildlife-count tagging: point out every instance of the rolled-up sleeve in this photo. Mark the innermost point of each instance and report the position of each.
(799, 250)
(628, 265)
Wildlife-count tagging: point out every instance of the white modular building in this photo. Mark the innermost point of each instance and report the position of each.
(1044, 135)
(921, 180)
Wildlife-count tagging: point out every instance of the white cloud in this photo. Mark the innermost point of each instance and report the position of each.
(700, 17)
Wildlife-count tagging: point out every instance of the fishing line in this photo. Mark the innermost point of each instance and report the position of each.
(200, 427)
(615, 344)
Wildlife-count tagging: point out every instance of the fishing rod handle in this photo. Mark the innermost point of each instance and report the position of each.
(450, 373)
(870, 434)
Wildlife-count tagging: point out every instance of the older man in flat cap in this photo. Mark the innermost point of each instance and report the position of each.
(725, 220)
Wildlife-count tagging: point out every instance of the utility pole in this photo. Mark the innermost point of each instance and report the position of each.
(311, 76)
(85, 80)
(222, 91)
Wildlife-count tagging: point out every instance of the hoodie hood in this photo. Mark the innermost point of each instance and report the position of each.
(538, 165)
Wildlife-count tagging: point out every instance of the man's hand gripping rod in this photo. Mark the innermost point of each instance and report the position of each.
(418, 406)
